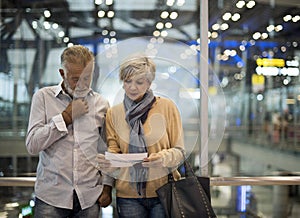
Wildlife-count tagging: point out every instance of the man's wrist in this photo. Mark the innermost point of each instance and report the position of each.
(107, 188)
(67, 117)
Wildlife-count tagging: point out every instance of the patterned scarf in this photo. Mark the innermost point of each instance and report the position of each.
(136, 115)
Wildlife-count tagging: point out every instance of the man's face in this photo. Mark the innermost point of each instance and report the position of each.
(77, 79)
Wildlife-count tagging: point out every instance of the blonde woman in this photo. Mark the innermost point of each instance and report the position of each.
(143, 123)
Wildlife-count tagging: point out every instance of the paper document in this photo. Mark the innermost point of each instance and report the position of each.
(124, 160)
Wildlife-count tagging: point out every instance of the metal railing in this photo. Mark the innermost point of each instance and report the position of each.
(214, 181)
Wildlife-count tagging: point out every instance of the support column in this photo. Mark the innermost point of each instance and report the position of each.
(280, 201)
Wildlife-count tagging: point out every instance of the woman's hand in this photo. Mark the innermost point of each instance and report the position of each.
(154, 160)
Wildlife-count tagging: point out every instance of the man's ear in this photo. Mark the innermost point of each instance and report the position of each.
(62, 73)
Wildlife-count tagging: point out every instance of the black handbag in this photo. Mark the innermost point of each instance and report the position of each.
(188, 197)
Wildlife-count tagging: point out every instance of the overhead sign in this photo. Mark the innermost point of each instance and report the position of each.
(267, 62)
(277, 67)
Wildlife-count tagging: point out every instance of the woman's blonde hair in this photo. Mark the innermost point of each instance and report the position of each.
(137, 65)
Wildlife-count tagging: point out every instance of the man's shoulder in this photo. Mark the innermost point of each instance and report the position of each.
(47, 89)
(100, 98)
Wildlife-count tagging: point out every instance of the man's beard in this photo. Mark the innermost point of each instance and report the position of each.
(67, 87)
(77, 93)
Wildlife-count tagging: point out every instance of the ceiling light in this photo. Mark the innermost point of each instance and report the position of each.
(98, 2)
(240, 4)
(180, 2)
(224, 26)
(110, 14)
(250, 4)
(214, 35)
(226, 16)
(173, 15)
(61, 34)
(55, 26)
(227, 52)
(287, 18)
(66, 39)
(264, 35)
(270, 28)
(236, 17)
(242, 47)
(168, 25)
(109, 2)
(104, 32)
(278, 28)
(159, 25)
(113, 40)
(295, 44)
(170, 2)
(233, 53)
(112, 33)
(106, 40)
(47, 25)
(216, 26)
(164, 14)
(256, 35)
(164, 33)
(101, 13)
(283, 48)
(34, 24)
(47, 13)
(240, 64)
(296, 18)
(156, 33)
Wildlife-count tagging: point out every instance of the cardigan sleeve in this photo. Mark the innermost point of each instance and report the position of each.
(173, 156)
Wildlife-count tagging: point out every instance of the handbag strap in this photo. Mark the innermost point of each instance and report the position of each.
(171, 177)
(188, 169)
(204, 199)
(188, 172)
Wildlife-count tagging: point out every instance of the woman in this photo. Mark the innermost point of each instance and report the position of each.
(143, 123)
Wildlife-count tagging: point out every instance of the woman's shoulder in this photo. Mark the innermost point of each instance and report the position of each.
(117, 108)
(164, 101)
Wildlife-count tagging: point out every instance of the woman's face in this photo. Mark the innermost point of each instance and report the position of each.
(136, 87)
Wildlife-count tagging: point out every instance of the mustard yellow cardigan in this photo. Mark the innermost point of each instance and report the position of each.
(163, 134)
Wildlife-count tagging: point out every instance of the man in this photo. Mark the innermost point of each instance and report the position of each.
(64, 129)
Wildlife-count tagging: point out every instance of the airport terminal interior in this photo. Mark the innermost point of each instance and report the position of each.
(242, 56)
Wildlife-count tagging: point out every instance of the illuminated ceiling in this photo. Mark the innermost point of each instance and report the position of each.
(89, 20)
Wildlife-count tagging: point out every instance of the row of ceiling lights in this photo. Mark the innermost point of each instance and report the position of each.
(162, 26)
(236, 16)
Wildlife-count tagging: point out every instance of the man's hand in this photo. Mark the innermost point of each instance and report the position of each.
(105, 198)
(75, 109)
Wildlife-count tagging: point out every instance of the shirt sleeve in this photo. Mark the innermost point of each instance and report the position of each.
(42, 134)
(108, 180)
(111, 135)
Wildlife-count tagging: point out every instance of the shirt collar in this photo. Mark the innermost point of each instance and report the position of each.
(58, 89)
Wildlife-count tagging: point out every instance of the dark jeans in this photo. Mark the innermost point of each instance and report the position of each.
(44, 210)
(140, 208)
